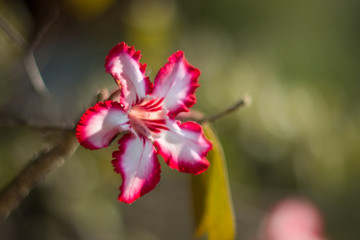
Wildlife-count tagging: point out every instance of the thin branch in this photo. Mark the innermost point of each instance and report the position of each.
(45, 28)
(44, 163)
(34, 172)
(34, 75)
(29, 61)
(12, 33)
(20, 122)
(243, 102)
(14, 121)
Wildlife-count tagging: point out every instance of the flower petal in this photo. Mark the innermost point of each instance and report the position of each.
(184, 147)
(100, 124)
(123, 64)
(176, 82)
(138, 165)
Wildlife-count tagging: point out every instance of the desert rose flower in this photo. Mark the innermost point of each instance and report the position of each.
(146, 113)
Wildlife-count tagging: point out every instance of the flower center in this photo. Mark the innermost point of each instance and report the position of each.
(148, 117)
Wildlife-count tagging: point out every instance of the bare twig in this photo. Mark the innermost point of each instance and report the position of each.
(34, 172)
(30, 64)
(14, 121)
(42, 164)
(20, 122)
(12, 33)
(245, 101)
(29, 61)
(34, 74)
(52, 16)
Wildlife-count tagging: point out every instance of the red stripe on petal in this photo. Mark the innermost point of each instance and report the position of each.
(176, 82)
(123, 64)
(153, 129)
(100, 124)
(156, 121)
(184, 147)
(138, 165)
(148, 116)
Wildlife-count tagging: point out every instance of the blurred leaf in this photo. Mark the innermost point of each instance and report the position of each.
(213, 206)
(88, 9)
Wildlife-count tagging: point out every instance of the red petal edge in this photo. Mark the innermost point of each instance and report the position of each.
(86, 117)
(136, 55)
(190, 99)
(199, 166)
(150, 183)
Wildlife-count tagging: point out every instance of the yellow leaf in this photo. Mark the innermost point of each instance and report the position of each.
(213, 206)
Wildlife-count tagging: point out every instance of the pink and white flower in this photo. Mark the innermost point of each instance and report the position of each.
(146, 113)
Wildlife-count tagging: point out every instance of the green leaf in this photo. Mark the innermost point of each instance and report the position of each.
(213, 206)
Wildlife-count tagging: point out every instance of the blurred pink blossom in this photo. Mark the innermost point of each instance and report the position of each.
(293, 219)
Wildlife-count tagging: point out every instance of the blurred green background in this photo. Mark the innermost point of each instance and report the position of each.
(299, 62)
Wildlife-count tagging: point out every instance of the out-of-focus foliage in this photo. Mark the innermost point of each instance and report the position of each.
(87, 9)
(298, 60)
(213, 206)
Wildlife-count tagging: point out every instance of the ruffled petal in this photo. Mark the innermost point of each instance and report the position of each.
(100, 124)
(138, 165)
(176, 82)
(184, 147)
(123, 64)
